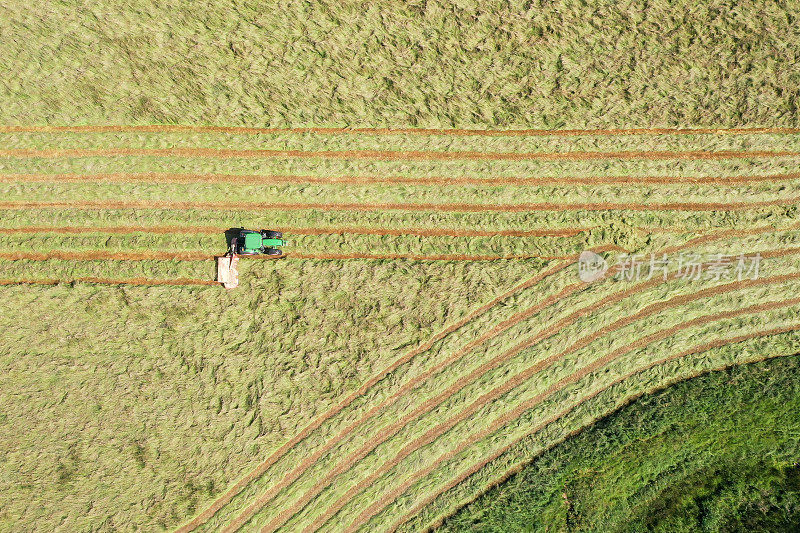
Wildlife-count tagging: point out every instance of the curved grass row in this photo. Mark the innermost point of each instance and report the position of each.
(480, 370)
(375, 507)
(374, 479)
(625, 467)
(480, 462)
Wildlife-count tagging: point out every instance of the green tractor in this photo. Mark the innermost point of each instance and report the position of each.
(249, 242)
(246, 242)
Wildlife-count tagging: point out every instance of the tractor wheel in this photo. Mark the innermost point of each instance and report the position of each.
(273, 251)
(269, 234)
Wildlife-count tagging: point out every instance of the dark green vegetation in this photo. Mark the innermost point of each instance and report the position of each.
(423, 63)
(720, 452)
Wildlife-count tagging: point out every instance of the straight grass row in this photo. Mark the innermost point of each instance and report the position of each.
(612, 222)
(243, 195)
(344, 244)
(68, 270)
(438, 143)
(332, 168)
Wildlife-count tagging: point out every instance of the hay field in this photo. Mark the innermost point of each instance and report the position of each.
(425, 335)
(438, 168)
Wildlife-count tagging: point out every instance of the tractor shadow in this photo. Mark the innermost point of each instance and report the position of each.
(230, 234)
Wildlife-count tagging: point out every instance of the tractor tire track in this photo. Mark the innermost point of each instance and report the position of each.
(109, 281)
(434, 433)
(448, 207)
(389, 155)
(252, 475)
(159, 178)
(228, 495)
(455, 132)
(427, 406)
(475, 468)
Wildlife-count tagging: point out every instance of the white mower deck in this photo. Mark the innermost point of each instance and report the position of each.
(228, 271)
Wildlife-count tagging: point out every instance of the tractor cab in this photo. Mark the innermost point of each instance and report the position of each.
(249, 242)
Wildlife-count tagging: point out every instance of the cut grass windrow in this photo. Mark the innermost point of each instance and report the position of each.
(208, 513)
(510, 384)
(701, 348)
(212, 230)
(163, 177)
(388, 431)
(109, 281)
(174, 128)
(363, 207)
(418, 257)
(105, 255)
(517, 380)
(228, 495)
(387, 155)
(204, 256)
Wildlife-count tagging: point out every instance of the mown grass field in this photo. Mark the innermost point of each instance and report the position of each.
(425, 336)
(437, 167)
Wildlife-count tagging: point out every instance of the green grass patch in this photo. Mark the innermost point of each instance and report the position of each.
(715, 453)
